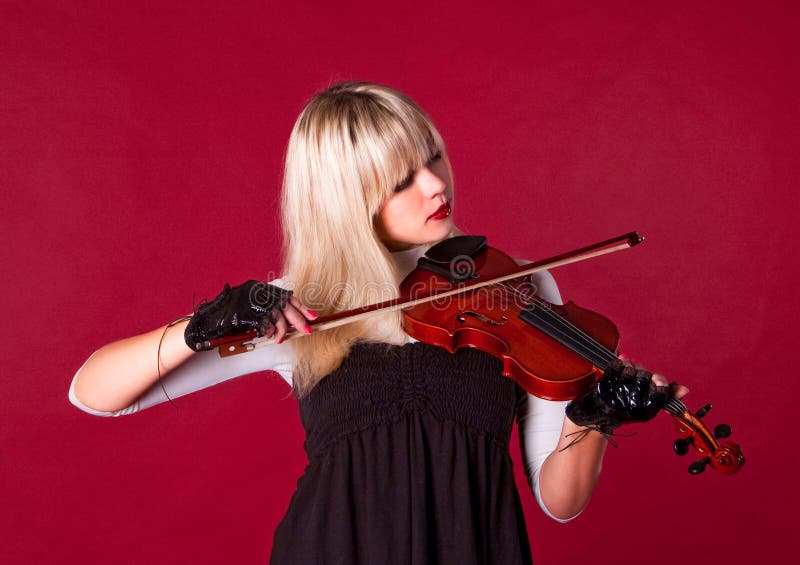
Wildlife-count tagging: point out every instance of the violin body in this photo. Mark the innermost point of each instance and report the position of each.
(489, 319)
(555, 352)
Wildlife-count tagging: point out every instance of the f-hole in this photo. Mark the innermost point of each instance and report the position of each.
(485, 319)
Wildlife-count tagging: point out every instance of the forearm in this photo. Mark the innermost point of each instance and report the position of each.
(568, 476)
(118, 373)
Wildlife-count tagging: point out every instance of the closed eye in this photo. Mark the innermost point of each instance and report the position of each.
(406, 182)
(410, 178)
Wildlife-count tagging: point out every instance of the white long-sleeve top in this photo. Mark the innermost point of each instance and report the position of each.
(539, 421)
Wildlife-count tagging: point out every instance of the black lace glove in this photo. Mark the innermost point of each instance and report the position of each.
(249, 307)
(623, 394)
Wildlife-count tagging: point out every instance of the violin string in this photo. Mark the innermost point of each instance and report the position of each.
(582, 340)
(574, 337)
(545, 314)
(579, 336)
(675, 406)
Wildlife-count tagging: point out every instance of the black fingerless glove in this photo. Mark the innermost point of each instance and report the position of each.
(623, 394)
(249, 307)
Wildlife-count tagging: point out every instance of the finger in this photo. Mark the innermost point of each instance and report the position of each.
(307, 312)
(296, 319)
(268, 329)
(637, 365)
(678, 390)
(631, 363)
(659, 380)
(630, 359)
(281, 327)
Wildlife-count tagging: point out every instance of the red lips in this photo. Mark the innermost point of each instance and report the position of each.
(443, 211)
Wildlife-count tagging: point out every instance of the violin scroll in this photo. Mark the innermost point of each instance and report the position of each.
(726, 458)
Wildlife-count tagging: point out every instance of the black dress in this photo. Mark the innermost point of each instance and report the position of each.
(408, 463)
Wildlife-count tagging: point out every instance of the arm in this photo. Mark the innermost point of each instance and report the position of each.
(540, 424)
(562, 481)
(122, 377)
(115, 375)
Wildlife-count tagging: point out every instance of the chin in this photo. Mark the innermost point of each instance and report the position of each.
(444, 229)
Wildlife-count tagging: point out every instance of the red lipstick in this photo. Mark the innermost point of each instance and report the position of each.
(443, 211)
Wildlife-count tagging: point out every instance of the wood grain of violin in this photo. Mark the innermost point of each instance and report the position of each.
(501, 318)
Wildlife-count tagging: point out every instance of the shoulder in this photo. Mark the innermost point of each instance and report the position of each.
(544, 285)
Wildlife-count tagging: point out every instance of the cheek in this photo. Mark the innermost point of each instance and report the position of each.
(387, 219)
(398, 212)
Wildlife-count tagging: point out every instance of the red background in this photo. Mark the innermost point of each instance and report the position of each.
(140, 160)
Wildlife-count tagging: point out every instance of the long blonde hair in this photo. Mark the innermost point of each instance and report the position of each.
(350, 147)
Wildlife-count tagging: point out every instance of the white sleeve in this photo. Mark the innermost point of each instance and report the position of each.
(540, 421)
(202, 370)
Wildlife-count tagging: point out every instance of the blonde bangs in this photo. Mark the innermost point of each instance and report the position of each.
(391, 149)
(374, 140)
(350, 148)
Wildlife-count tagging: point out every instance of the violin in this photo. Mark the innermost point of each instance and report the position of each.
(464, 293)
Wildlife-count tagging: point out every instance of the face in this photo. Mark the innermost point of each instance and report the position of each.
(420, 210)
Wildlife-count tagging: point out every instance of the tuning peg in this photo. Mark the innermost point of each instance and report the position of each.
(703, 411)
(722, 431)
(681, 445)
(698, 466)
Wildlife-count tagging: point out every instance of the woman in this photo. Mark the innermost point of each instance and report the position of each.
(407, 444)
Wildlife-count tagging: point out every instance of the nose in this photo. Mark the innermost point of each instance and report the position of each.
(430, 184)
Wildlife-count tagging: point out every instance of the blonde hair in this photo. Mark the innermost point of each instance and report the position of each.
(350, 147)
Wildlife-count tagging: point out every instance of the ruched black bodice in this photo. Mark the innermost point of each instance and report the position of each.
(408, 463)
